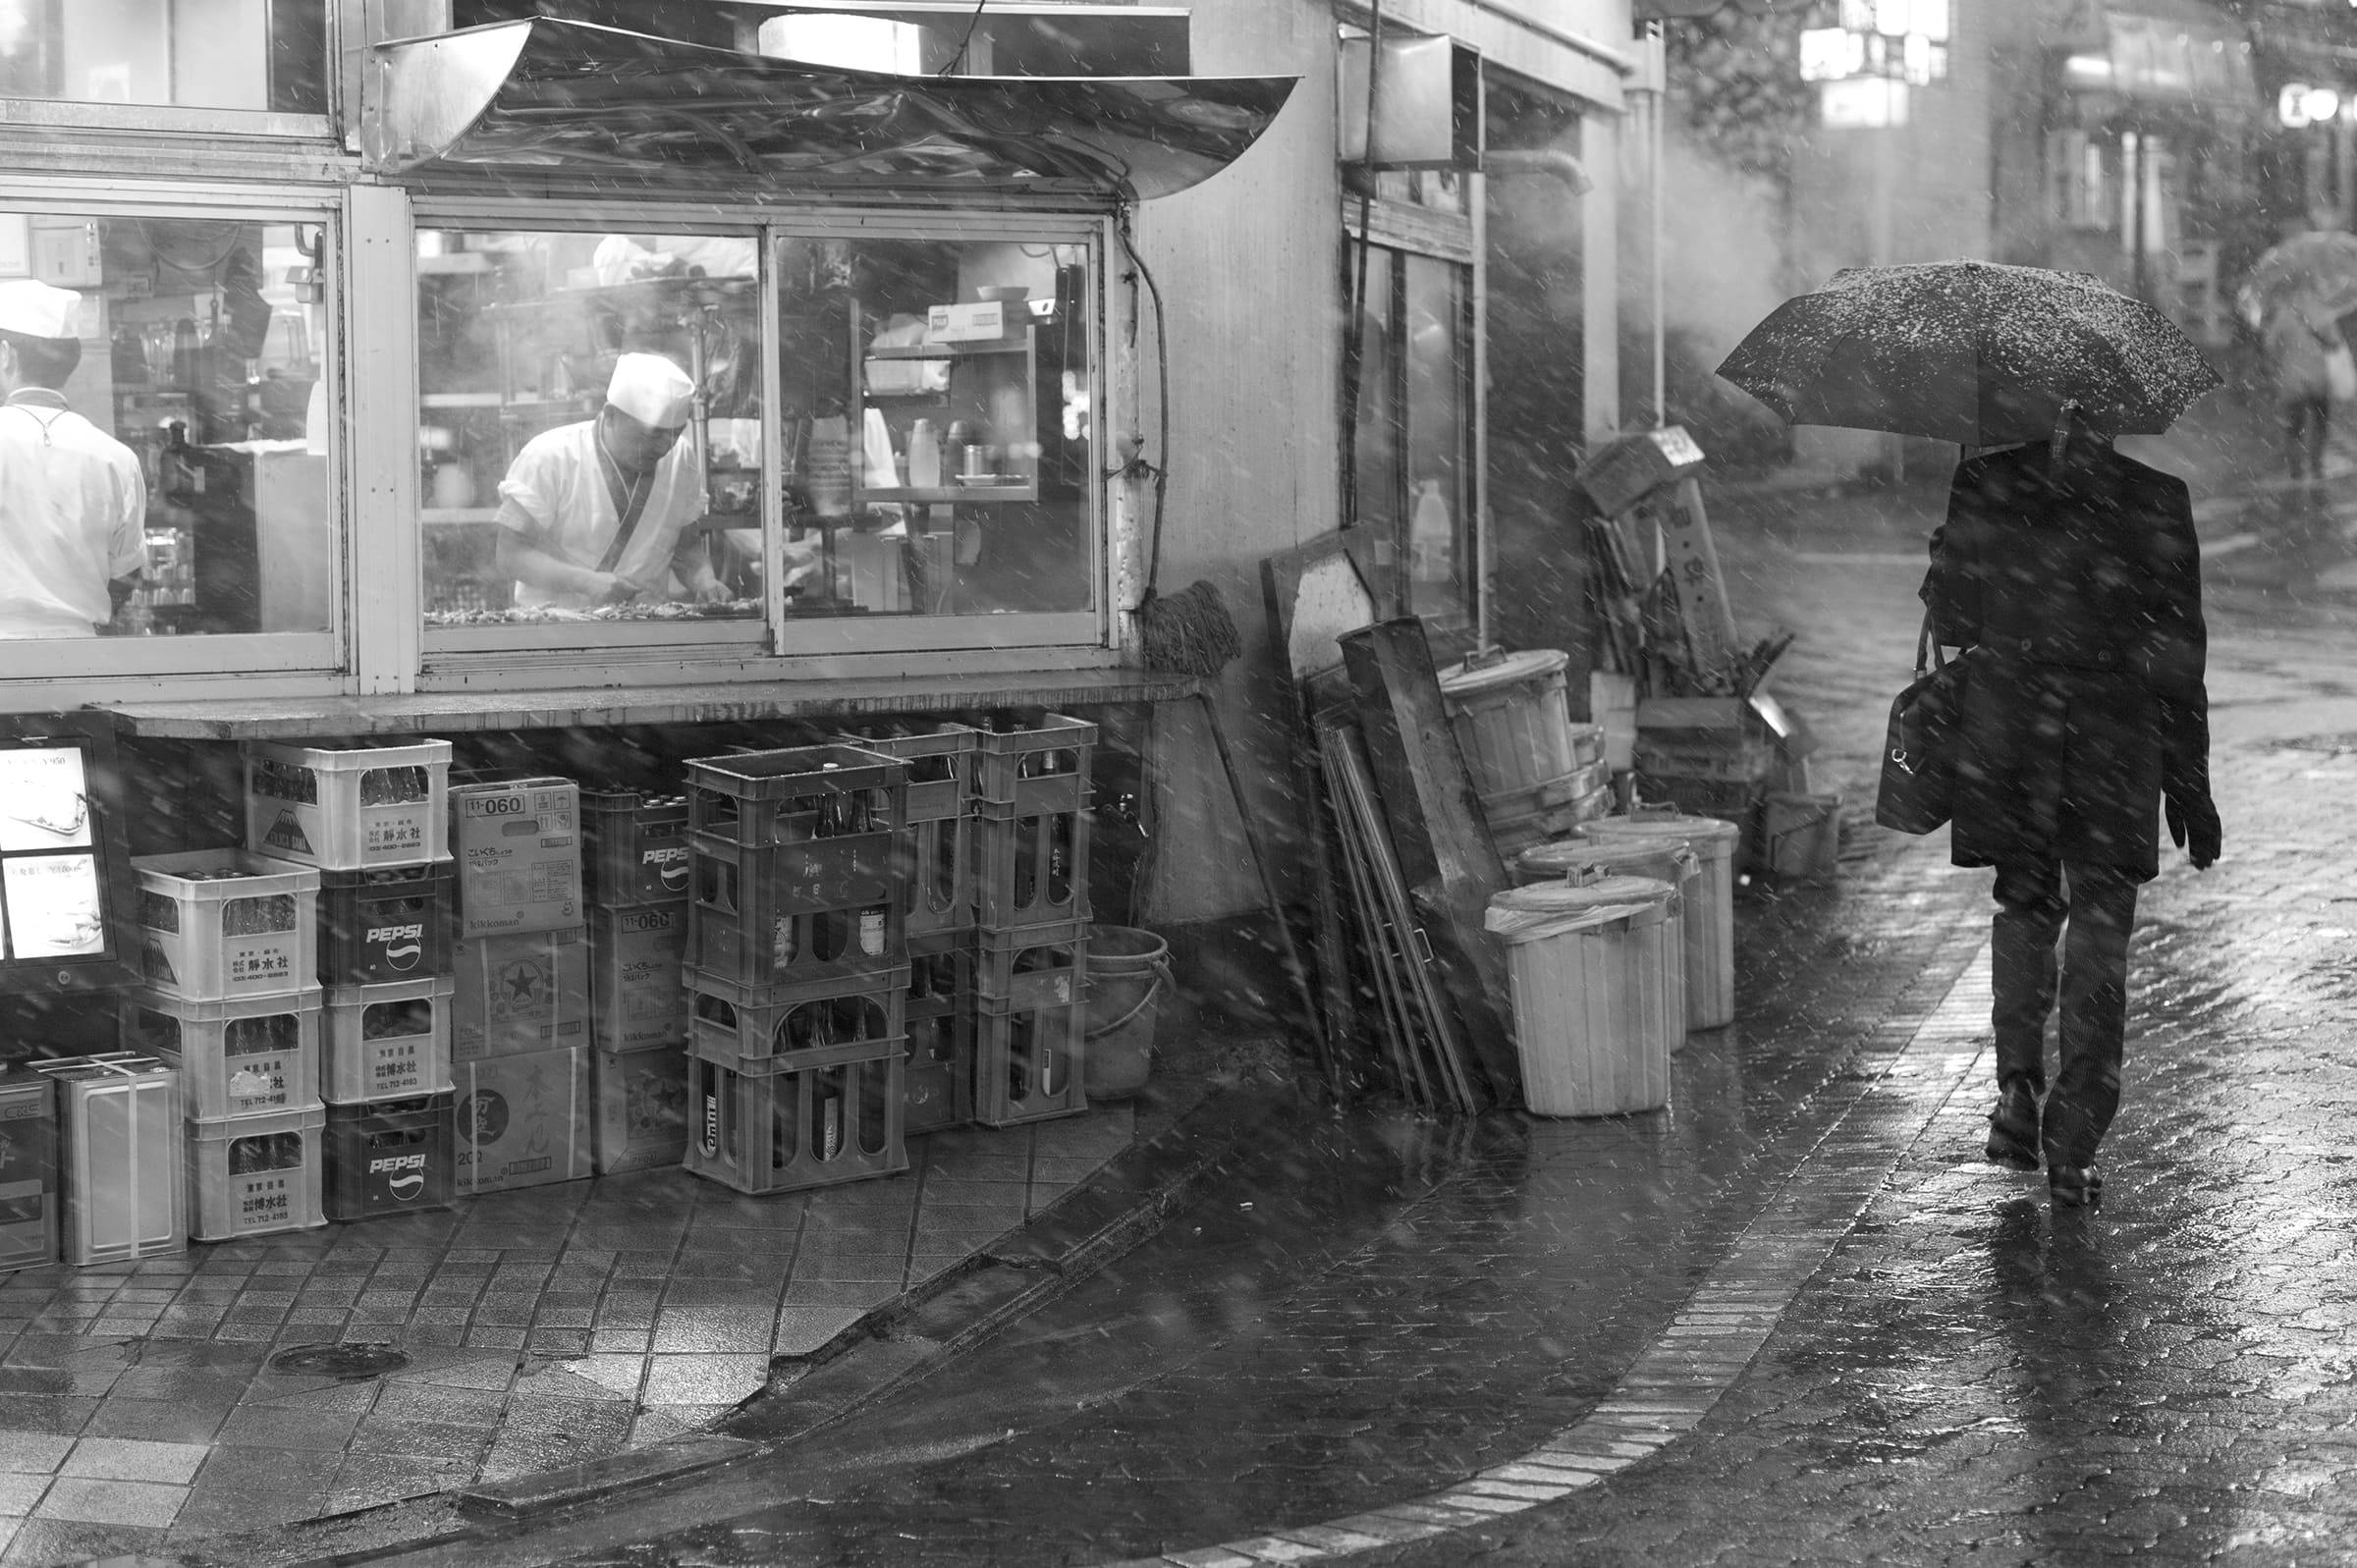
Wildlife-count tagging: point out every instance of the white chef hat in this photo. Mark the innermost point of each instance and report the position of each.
(35, 309)
(651, 390)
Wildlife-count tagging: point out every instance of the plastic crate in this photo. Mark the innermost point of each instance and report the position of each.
(28, 1173)
(518, 844)
(940, 759)
(635, 975)
(1033, 967)
(821, 795)
(388, 1042)
(258, 1056)
(348, 809)
(939, 894)
(121, 1162)
(634, 848)
(389, 1159)
(223, 923)
(641, 1117)
(788, 1124)
(773, 917)
(523, 1121)
(1030, 870)
(518, 994)
(811, 1018)
(256, 1176)
(377, 927)
(1034, 760)
(938, 1088)
(1028, 1062)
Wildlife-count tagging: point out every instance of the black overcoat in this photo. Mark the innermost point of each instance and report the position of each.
(2081, 596)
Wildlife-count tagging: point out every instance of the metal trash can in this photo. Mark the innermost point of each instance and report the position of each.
(1593, 968)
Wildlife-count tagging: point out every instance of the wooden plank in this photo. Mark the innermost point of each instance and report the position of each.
(1437, 828)
(1701, 588)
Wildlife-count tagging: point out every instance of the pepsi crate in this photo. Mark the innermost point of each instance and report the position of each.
(522, 993)
(120, 1158)
(392, 1158)
(639, 1120)
(940, 758)
(720, 1023)
(391, 1041)
(766, 918)
(791, 1124)
(28, 1184)
(1030, 870)
(1034, 761)
(938, 1088)
(1032, 966)
(256, 1056)
(1028, 1062)
(218, 924)
(256, 1176)
(829, 797)
(635, 974)
(634, 848)
(348, 809)
(378, 927)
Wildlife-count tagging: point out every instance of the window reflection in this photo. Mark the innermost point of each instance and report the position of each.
(208, 54)
(1412, 429)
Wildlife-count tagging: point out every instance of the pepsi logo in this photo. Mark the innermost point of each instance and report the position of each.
(397, 1163)
(404, 945)
(671, 863)
(407, 1189)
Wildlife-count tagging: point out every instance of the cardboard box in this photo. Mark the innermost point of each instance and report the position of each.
(520, 994)
(523, 1121)
(518, 844)
(641, 1108)
(635, 969)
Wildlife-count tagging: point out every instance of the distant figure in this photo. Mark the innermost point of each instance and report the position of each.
(2075, 575)
(2300, 347)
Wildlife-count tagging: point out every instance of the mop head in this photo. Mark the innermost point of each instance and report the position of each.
(1188, 632)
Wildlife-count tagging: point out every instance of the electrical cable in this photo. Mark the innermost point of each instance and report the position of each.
(1160, 468)
(966, 43)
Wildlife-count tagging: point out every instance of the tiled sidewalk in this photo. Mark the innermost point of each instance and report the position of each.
(543, 1327)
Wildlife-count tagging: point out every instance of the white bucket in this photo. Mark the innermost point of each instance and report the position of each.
(1710, 921)
(1667, 859)
(1593, 968)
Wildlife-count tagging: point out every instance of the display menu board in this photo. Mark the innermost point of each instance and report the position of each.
(64, 865)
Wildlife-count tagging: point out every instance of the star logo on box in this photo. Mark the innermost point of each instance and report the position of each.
(524, 982)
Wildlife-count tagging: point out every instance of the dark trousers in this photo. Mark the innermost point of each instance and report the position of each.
(2307, 421)
(2036, 901)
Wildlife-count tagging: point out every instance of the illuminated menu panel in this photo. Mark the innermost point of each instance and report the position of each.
(50, 900)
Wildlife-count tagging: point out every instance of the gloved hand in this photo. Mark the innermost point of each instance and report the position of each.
(2193, 825)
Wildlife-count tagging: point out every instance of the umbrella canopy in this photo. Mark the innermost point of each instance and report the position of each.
(2322, 264)
(1969, 352)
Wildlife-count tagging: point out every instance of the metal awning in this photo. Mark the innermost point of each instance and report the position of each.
(567, 98)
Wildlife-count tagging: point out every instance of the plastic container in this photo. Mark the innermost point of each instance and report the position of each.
(1129, 974)
(1521, 818)
(641, 1117)
(389, 1041)
(222, 923)
(1030, 870)
(1033, 967)
(634, 848)
(389, 1159)
(1028, 1061)
(258, 1055)
(831, 796)
(721, 1024)
(1595, 970)
(940, 758)
(1710, 917)
(348, 809)
(765, 920)
(120, 1158)
(1801, 835)
(790, 1125)
(1034, 761)
(518, 844)
(257, 1175)
(938, 1086)
(517, 995)
(523, 1121)
(28, 1174)
(1664, 859)
(636, 976)
(379, 927)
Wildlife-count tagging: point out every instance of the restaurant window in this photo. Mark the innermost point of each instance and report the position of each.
(1412, 475)
(255, 56)
(925, 454)
(202, 345)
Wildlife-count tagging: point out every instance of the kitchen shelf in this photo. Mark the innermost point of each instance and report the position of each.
(1025, 491)
(952, 350)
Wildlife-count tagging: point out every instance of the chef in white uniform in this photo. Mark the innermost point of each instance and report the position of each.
(596, 513)
(73, 498)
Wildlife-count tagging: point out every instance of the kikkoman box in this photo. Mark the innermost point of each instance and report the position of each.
(636, 976)
(523, 1121)
(518, 844)
(641, 1108)
(520, 994)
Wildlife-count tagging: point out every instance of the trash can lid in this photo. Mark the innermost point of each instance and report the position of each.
(1556, 908)
(1663, 824)
(1466, 678)
(1631, 855)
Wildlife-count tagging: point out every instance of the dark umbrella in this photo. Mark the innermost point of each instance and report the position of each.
(1969, 352)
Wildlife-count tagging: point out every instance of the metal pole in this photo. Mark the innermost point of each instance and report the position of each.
(1657, 133)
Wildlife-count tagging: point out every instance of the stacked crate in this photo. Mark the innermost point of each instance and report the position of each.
(231, 1004)
(636, 871)
(1031, 824)
(520, 1020)
(796, 966)
(372, 822)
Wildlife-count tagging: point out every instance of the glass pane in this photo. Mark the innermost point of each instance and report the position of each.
(1434, 354)
(205, 54)
(937, 415)
(1376, 462)
(199, 347)
(591, 428)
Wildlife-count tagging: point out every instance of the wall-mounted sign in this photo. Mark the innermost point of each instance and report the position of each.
(64, 865)
(1862, 103)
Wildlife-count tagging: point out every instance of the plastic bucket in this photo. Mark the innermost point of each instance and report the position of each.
(1666, 859)
(1596, 969)
(1128, 973)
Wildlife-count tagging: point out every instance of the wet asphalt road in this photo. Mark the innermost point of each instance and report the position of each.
(1382, 1307)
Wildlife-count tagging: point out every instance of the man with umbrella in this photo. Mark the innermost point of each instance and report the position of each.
(2072, 577)
(2296, 293)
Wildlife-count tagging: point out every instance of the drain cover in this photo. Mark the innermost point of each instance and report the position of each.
(353, 1361)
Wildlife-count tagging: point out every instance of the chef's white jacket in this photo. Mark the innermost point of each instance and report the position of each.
(73, 514)
(556, 496)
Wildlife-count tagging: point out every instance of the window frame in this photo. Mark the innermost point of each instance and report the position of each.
(176, 119)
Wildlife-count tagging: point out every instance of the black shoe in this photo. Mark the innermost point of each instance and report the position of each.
(2074, 1186)
(2014, 1127)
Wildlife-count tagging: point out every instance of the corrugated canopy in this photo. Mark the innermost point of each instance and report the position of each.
(567, 97)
